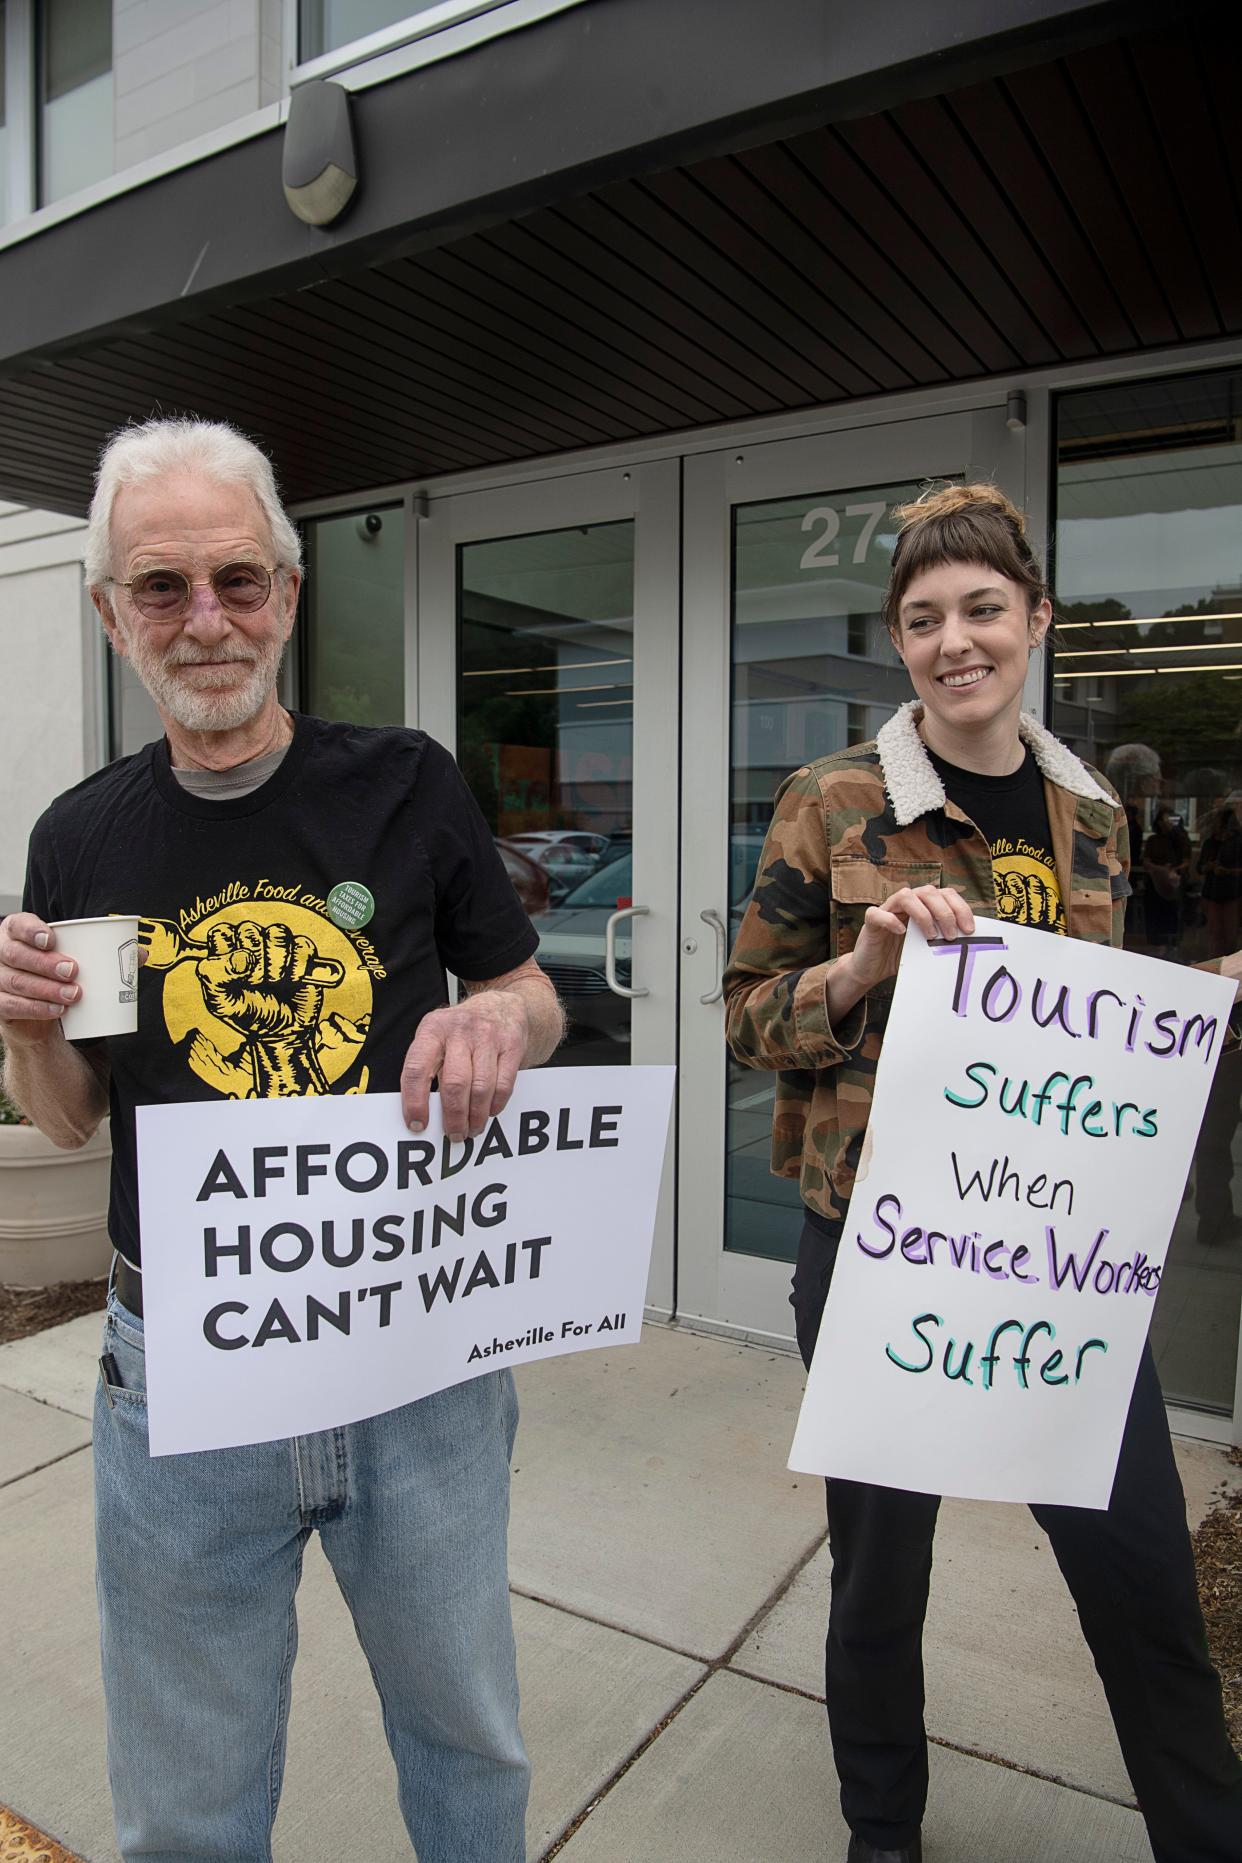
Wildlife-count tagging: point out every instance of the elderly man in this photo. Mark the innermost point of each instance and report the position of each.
(304, 887)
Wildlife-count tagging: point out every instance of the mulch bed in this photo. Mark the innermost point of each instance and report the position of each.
(26, 1310)
(1218, 1559)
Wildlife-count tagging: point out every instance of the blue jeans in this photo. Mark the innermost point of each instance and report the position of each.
(198, 1561)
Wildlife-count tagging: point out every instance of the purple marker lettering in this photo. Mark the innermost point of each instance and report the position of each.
(966, 948)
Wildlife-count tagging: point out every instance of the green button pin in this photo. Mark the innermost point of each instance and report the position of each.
(351, 905)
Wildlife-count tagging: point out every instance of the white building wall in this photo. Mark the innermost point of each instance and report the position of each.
(181, 68)
(50, 713)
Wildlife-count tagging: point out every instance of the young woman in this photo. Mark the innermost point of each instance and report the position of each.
(920, 826)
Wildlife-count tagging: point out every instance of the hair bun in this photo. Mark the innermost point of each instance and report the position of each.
(960, 524)
(943, 501)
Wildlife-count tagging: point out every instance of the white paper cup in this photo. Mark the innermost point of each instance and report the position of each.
(106, 951)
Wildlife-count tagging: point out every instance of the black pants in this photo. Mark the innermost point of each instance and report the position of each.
(1131, 1573)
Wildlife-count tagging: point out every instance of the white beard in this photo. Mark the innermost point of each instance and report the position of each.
(205, 705)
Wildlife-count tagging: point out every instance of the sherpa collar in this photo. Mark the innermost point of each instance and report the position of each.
(914, 787)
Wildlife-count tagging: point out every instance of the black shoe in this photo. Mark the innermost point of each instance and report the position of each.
(862, 1852)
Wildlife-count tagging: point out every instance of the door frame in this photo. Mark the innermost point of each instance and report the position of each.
(747, 1296)
(649, 496)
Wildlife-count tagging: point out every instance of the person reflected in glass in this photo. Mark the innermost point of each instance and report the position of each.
(1133, 770)
(961, 805)
(1220, 873)
(1166, 862)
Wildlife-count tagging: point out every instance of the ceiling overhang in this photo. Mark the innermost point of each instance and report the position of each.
(632, 219)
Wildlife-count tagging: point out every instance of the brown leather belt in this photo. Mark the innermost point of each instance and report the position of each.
(128, 1284)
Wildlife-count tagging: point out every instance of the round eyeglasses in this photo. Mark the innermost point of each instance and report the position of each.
(164, 594)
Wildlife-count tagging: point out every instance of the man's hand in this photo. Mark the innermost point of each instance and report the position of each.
(36, 981)
(477, 1047)
(64, 1094)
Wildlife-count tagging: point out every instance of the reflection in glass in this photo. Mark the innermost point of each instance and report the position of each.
(545, 740)
(1148, 687)
(813, 671)
(353, 633)
(75, 92)
(325, 25)
(4, 133)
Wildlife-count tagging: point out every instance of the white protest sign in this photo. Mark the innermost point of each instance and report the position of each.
(1036, 1106)
(310, 1262)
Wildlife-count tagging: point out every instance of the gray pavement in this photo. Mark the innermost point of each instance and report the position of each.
(670, 1580)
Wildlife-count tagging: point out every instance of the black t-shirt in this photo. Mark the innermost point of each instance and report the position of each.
(1011, 812)
(363, 864)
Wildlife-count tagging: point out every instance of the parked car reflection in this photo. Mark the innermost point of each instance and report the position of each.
(571, 951)
(571, 947)
(530, 882)
(530, 840)
(566, 855)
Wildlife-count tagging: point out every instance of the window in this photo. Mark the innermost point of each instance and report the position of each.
(4, 129)
(545, 739)
(1147, 686)
(353, 617)
(326, 25)
(812, 671)
(75, 96)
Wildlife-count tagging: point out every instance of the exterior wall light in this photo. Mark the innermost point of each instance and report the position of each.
(1015, 410)
(319, 169)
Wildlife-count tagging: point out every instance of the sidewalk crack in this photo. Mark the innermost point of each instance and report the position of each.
(15, 1390)
(25, 1474)
(712, 1665)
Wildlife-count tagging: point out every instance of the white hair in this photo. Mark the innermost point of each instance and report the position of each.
(209, 449)
(1130, 765)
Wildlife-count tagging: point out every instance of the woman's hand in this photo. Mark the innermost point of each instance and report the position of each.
(938, 911)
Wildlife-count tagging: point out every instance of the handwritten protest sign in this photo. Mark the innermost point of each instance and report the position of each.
(1036, 1107)
(310, 1262)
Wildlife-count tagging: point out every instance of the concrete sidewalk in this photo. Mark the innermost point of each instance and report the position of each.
(671, 1581)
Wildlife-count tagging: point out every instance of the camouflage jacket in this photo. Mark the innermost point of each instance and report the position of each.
(847, 831)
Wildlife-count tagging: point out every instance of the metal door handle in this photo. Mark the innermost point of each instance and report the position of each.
(610, 949)
(718, 926)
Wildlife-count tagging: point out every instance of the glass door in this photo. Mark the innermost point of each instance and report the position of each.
(1147, 685)
(787, 548)
(548, 652)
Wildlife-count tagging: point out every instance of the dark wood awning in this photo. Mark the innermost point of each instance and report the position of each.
(1064, 189)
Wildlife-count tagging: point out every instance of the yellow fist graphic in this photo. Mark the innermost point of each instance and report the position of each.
(262, 976)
